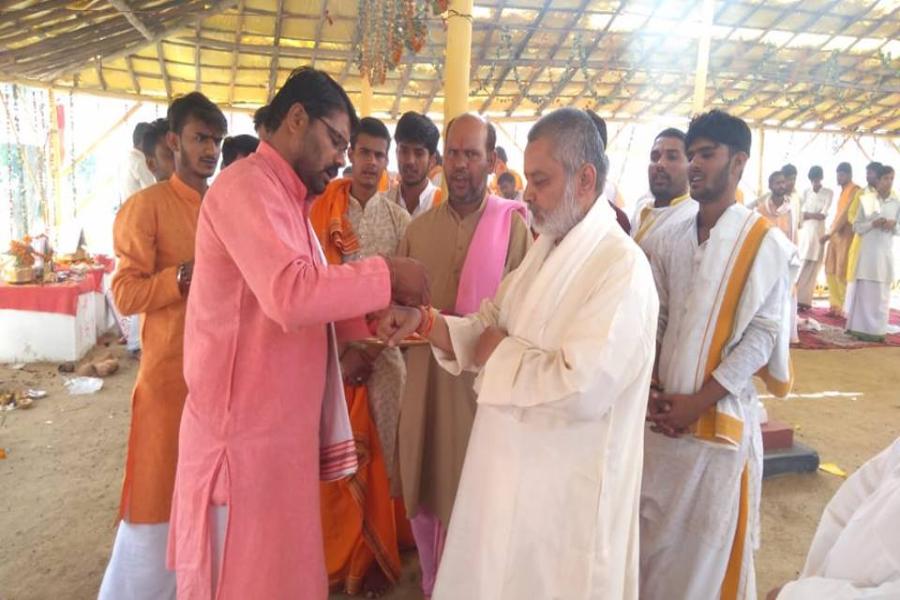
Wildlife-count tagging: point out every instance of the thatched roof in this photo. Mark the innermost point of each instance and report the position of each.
(786, 63)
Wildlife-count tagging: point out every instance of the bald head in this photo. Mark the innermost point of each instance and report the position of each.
(469, 158)
(477, 121)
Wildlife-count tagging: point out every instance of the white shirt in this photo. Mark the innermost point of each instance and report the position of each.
(426, 198)
(136, 175)
(812, 230)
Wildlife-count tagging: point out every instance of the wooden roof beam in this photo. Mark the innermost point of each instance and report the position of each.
(100, 77)
(401, 87)
(517, 53)
(893, 117)
(276, 50)
(601, 70)
(134, 80)
(435, 89)
(131, 16)
(523, 94)
(235, 57)
(349, 59)
(162, 69)
(323, 8)
(872, 117)
(628, 77)
(562, 83)
(173, 21)
(197, 66)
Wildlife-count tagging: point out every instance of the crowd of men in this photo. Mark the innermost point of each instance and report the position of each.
(496, 374)
(856, 249)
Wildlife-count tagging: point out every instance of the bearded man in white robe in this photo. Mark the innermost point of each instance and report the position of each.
(548, 502)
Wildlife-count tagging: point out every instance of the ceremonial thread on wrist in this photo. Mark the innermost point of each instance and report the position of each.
(427, 323)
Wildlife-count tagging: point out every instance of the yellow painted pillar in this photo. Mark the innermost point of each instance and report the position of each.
(365, 99)
(458, 59)
(700, 75)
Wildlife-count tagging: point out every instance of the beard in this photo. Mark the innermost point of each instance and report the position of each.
(718, 183)
(558, 222)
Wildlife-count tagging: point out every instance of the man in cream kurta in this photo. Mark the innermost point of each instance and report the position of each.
(855, 554)
(437, 408)
(814, 206)
(547, 504)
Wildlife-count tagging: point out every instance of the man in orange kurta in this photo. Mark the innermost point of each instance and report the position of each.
(154, 241)
(839, 239)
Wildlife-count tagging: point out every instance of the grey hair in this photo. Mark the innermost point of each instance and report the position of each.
(576, 139)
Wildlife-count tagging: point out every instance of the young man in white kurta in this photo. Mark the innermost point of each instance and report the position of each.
(547, 504)
(855, 554)
(702, 471)
(814, 206)
(876, 224)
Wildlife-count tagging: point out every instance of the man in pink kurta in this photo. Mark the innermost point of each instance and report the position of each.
(245, 515)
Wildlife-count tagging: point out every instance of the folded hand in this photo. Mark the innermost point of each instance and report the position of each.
(410, 285)
(398, 322)
(672, 414)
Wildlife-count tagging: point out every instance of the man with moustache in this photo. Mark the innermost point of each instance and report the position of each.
(775, 205)
(154, 242)
(667, 174)
(724, 280)
(265, 417)
(353, 221)
(467, 245)
(417, 139)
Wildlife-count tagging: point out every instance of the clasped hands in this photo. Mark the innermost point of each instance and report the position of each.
(884, 224)
(672, 414)
(411, 300)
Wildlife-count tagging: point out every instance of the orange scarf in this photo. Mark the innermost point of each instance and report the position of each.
(328, 216)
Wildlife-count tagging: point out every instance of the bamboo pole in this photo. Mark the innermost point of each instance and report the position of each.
(55, 160)
(700, 76)
(103, 137)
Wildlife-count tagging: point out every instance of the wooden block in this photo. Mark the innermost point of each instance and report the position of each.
(777, 435)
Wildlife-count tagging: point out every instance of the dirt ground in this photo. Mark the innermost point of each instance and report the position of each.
(59, 484)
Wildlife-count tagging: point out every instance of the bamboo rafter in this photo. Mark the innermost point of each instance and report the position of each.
(819, 63)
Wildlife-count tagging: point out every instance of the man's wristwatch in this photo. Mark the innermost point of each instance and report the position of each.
(182, 278)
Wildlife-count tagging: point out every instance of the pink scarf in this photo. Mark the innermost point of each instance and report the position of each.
(486, 258)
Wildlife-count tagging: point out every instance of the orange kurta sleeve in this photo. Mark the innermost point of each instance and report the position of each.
(137, 286)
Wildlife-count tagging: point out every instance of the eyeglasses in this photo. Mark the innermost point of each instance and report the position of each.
(339, 142)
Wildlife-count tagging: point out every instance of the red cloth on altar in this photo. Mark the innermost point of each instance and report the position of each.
(59, 298)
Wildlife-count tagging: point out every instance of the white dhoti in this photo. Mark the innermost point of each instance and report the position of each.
(868, 309)
(806, 285)
(137, 567)
(725, 313)
(700, 512)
